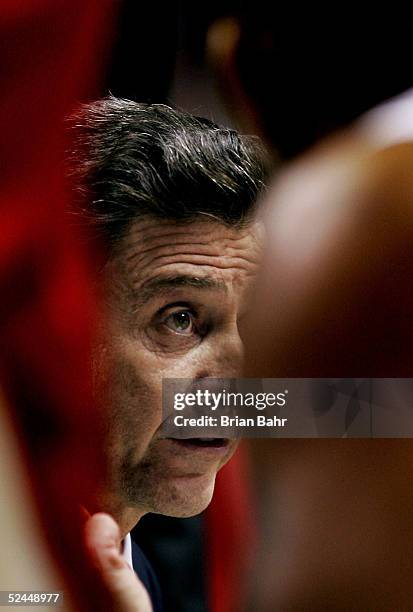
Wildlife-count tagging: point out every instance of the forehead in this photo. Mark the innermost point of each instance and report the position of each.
(154, 247)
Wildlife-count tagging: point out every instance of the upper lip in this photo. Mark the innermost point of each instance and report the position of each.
(215, 443)
(205, 439)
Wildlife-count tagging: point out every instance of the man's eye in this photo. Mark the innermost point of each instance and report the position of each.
(181, 322)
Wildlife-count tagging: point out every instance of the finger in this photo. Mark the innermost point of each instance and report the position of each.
(102, 540)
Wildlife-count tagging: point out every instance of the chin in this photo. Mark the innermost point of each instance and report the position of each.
(185, 497)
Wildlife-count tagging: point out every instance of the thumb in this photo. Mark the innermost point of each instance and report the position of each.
(102, 541)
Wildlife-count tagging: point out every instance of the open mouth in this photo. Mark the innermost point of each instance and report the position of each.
(202, 442)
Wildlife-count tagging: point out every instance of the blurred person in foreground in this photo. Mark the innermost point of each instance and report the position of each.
(172, 196)
(46, 314)
(334, 297)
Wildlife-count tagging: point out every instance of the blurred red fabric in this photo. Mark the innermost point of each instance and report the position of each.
(51, 54)
(230, 534)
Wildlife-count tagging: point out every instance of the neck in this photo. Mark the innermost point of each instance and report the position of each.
(127, 519)
(125, 516)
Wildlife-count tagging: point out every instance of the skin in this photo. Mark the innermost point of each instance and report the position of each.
(176, 295)
(334, 298)
(102, 540)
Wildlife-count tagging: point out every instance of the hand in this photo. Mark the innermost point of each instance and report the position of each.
(102, 540)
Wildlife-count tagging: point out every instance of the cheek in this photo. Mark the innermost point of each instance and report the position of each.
(219, 356)
(182, 360)
(208, 359)
(133, 403)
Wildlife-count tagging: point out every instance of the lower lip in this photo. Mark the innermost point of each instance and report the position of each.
(221, 447)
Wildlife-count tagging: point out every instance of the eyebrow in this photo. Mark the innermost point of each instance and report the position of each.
(161, 285)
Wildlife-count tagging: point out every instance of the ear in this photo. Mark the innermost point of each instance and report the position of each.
(222, 43)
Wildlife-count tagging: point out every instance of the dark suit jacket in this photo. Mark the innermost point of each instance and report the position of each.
(145, 572)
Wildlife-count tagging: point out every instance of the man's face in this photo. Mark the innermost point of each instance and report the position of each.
(176, 294)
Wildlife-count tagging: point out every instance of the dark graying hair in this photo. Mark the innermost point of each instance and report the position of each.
(132, 160)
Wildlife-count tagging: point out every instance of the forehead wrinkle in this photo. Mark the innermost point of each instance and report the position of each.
(145, 237)
(144, 253)
(150, 250)
(149, 229)
(208, 262)
(227, 255)
(203, 244)
(141, 236)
